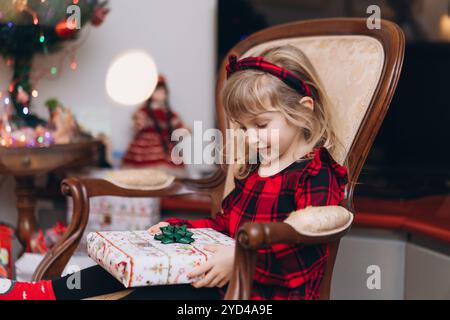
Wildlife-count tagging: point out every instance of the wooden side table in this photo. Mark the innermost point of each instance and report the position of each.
(25, 163)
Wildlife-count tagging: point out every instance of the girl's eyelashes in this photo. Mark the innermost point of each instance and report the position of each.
(240, 126)
(261, 125)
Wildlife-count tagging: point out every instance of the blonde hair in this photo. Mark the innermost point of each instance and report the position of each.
(250, 92)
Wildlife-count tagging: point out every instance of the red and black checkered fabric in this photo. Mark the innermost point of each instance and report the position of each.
(258, 63)
(283, 271)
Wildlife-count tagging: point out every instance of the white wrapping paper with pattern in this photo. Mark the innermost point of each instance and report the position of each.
(136, 259)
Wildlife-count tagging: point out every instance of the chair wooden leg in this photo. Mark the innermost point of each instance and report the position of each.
(325, 286)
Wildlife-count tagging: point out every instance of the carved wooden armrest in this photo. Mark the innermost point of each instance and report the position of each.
(258, 235)
(81, 189)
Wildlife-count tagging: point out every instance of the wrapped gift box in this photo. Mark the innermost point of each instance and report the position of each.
(136, 259)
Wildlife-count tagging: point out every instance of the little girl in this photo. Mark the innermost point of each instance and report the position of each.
(276, 91)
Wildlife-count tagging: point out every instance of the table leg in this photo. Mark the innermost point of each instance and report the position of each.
(26, 203)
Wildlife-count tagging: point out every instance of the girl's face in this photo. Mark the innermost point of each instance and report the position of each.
(159, 96)
(270, 134)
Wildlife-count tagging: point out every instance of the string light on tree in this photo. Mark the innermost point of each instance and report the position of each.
(29, 27)
(34, 93)
(73, 62)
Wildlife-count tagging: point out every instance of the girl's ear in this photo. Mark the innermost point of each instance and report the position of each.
(307, 102)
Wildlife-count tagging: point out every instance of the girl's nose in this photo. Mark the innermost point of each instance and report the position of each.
(252, 136)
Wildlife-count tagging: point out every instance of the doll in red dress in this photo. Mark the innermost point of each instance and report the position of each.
(154, 123)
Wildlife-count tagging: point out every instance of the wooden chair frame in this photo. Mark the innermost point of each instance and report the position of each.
(253, 236)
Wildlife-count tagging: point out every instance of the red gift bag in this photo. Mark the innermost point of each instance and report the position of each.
(6, 234)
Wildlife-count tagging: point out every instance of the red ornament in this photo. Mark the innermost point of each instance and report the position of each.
(99, 15)
(22, 96)
(63, 31)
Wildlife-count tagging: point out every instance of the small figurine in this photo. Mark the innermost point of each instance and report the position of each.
(62, 123)
(154, 123)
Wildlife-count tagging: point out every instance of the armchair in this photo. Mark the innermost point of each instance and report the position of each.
(359, 68)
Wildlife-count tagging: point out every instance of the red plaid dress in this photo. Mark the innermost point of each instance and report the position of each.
(283, 271)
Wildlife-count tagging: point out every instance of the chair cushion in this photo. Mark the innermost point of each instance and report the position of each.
(320, 221)
(144, 179)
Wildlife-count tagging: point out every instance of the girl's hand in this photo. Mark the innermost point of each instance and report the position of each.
(156, 228)
(217, 270)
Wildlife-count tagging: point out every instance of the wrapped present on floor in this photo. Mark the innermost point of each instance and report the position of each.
(137, 258)
(28, 262)
(118, 213)
(110, 213)
(43, 241)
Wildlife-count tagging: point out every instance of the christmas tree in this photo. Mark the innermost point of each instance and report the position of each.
(29, 27)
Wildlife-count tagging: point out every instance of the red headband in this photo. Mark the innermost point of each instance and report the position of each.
(259, 63)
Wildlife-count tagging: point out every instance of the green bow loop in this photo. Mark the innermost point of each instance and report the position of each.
(175, 234)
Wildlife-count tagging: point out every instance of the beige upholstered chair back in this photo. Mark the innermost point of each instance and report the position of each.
(350, 67)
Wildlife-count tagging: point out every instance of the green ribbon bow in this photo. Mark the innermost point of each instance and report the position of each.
(175, 234)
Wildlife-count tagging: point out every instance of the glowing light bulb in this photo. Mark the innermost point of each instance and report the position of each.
(34, 93)
(25, 110)
(444, 26)
(42, 39)
(73, 65)
(131, 78)
(53, 70)
(6, 100)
